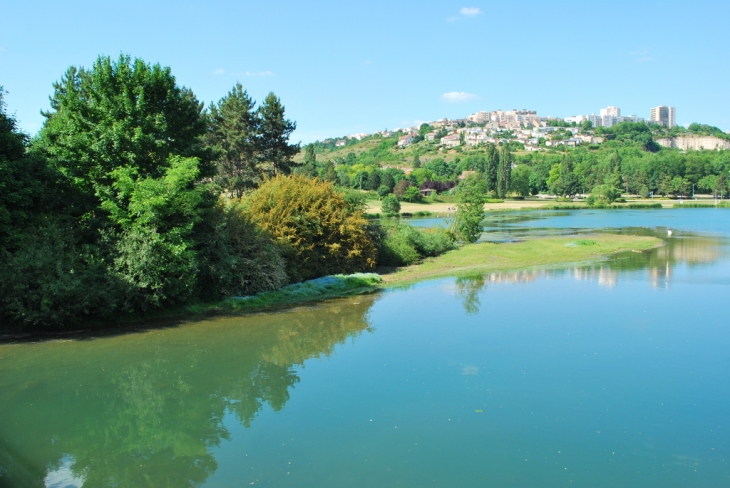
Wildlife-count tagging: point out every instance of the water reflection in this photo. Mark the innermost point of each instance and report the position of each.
(659, 265)
(146, 409)
(468, 289)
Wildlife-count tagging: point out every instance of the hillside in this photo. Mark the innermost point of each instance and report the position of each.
(569, 160)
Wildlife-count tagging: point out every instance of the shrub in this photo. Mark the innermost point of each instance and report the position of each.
(236, 258)
(412, 194)
(318, 232)
(48, 283)
(603, 194)
(390, 205)
(401, 244)
(383, 191)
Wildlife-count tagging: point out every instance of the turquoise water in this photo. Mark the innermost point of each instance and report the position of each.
(608, 375)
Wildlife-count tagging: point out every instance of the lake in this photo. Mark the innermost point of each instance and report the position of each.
(613, 374)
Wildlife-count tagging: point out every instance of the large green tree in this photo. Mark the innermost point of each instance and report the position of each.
(123, 113)
(470, 211)
(275, 152)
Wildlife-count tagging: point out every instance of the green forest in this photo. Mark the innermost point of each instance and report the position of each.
(629, 161)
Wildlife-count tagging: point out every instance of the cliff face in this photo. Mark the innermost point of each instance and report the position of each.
(695, 143)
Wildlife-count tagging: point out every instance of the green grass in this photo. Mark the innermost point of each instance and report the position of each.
(487, 257)
(317, 289)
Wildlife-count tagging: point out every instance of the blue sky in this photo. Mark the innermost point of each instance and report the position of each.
(346, 67)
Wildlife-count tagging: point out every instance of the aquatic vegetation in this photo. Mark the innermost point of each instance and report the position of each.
(724, 204)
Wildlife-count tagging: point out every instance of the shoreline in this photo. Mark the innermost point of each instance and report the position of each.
(469, 260)
(443, 208)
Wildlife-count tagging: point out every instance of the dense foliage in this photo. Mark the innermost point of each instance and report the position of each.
(401, 244)
(113, 210)
(468, 219)
(318, 231)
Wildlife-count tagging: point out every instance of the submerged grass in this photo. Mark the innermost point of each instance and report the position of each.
(487, 257)
(702, 205)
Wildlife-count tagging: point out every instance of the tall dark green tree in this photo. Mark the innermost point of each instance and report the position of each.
(387, 180)
(309, 168)
(328, 172)
(569, 183)
(491, 169)
(373, 180)
(275, 152)
(504, 171)
(233, 128)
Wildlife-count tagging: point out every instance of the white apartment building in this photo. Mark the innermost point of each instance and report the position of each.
(611, 110)
(609, 117)
(479, 117)
(666, 116)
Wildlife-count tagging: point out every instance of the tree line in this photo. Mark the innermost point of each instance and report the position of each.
(135, 197)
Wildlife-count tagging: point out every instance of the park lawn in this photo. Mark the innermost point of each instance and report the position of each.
(487, 257)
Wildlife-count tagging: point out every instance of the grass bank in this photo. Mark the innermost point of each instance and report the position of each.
(471, 259)
(487, 257)
(312, 290)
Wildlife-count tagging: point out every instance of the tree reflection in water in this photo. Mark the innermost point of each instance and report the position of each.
(468, 289)
(145, 409)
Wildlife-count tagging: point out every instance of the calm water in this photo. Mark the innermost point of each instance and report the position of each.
(611, 375)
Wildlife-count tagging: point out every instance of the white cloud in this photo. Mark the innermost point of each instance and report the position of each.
(219, 71)
(258, 73)
(470, 11)
(451, 19)
(2, 49)
(453, 97)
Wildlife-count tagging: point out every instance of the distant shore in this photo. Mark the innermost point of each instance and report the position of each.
(444, 208)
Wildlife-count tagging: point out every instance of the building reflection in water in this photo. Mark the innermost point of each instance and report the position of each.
(659, 265)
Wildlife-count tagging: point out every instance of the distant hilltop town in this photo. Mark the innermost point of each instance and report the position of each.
(532, 130)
